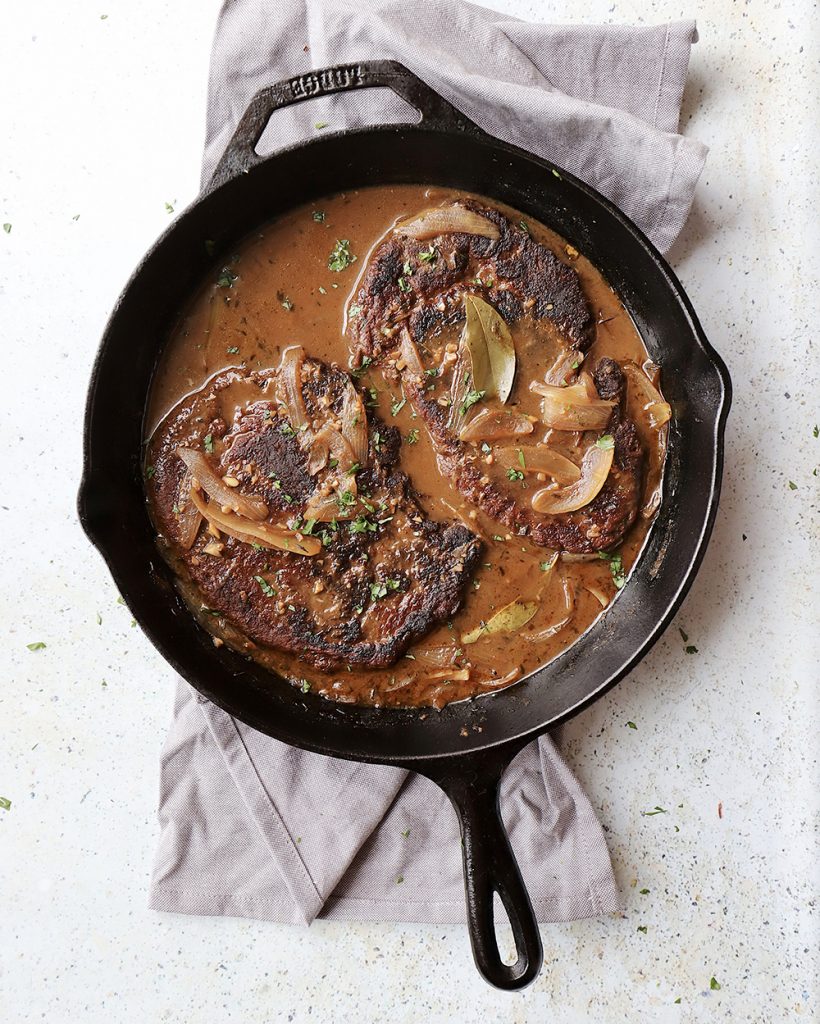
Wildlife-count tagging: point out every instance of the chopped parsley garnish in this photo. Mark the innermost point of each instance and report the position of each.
(305, 686)
(345, 500)
(267, 589)
(318, 216)
(377, 440)
(606, 442)
(209, 443)
(286, 303)
(521, 461)
(341, 257)
(413, 436)
(714, 984)
(404, 285)
(546, 566)
(38, 645)
(372, 396)
(431, 372)
(524, 226)
(514, 474)
(631, 725)
(485, 448)
(287, 430)
(792, 485)
(380, 590)
(7, 228)
(232, 350)
(616, 567)
(363, 367)
(575, 365)
(643, 892)
(816, 431)
(429, 256)
(226, 278)
(361, 524)
(655, 810)
(396, 406)
(470, 400)
(307, 528)
(354, 469)
(353, 310)
(169, 207)
(555, 174)
(149, 471)
(642, 928)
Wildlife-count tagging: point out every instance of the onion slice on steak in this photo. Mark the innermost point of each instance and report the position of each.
(495, 424)
(538, 459)
(572, 408)
(446, 220)
(354, 424)
(280, 538)
(595, 468)
(244, 505)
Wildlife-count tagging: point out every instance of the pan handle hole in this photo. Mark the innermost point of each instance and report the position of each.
(361, 108)
(503, 933)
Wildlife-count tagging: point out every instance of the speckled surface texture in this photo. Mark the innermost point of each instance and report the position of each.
(102, 126)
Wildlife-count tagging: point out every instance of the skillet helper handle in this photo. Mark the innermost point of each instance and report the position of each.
(240, 154)
(490, 867)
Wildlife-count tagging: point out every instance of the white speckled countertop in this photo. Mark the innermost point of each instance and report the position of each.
(102, 124)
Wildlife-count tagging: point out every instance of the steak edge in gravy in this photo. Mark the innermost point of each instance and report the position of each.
(403, 447)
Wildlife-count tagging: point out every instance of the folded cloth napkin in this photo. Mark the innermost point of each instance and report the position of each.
(250, 826)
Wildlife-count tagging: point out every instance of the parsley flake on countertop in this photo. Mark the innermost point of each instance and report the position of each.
(38, 645)
(642, 928)
(5, 803)
(792, 485)
(631, 725)
(655, 810)
(691, 649)
(714, 984)
(7, 228)
(341, 257)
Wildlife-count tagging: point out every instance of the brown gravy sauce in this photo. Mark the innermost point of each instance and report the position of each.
(285, 294)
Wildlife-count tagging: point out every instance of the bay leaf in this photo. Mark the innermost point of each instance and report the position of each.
(512, 616)
(492, 350)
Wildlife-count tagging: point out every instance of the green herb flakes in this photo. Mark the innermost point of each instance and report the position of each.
(792, 485)
(362, 368)
(655, 810)
(353, 310)
(318, 216)
(7, 228)
(405, 833)
(304, 686)
(232, 350)
(691, 649)
(150, 471)
(340, 257)
(642, 928)
(169, 208)
(266, 588)
(38, 645)
(399, 880)
(643, 892)
(631, 725)
(5, 803)
(714, 984)
(413, 436)
(514, 474)
(616, 568)
(226, 278)
(345, 500)
(470, 399)
(404, 285)
(524, 226)
(396, 406)
(209, 443)
(606, 442)
(429, 256)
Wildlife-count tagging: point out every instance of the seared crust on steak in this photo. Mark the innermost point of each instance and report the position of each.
(407, 294)
(387, 573)
(514, 273)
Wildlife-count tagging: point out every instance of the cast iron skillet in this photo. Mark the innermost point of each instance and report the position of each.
(466, 747)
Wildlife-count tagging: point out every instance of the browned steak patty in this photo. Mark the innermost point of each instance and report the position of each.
(384, 573)
(413, 290)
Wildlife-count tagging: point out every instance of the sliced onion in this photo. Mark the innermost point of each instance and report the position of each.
(446, 220)
(564, 368)
(651, 413)
(458, 388)
(567, 557)
(594, 470)
(540, 460)
(585, 378)
(457, 675)
(354, 424)
(493, 425)
(278, 537)
(571, 408)
(290, 388)
(188, 518)
(563, 618)
(437, 657)
(244, 505)
(325, 508)
(410, 354)
(598, 594)
(489, 680)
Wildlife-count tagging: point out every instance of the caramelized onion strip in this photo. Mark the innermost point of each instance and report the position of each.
(198, 466)
(495, 425)
(532, 459)
(277, 537)
(595, 469)
(446, 220)
(572, 408)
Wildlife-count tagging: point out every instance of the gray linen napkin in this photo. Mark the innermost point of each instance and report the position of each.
(252, 827)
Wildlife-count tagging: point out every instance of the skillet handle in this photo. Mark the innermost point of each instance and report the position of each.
(240, 154)
(490, 867)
